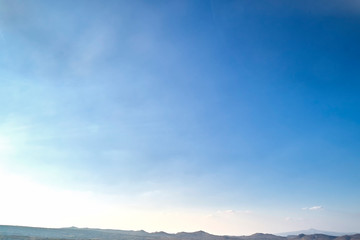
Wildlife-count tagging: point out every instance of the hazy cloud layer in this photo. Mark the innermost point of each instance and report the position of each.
(314, 208)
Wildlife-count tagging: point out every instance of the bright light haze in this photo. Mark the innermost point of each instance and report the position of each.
(232, 117)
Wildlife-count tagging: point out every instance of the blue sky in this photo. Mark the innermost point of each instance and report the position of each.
(233, 117)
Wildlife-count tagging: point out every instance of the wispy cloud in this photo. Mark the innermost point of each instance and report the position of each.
(314, 208)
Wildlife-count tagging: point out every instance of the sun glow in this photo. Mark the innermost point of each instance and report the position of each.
(26, 202)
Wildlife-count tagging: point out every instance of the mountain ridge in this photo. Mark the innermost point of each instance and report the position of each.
(11, 232)
(314, 231)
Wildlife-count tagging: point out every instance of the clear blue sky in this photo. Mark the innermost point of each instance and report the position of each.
(233, 117)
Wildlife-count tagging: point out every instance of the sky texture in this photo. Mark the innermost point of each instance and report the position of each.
(232, 117)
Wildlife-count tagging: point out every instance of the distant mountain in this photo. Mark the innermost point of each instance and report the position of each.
(324, 237)
(263, 236)
(349, 237)
(311, 237)
(73, 233)
(314, 231)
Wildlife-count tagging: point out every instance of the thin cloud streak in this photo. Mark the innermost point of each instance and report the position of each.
(314, 208)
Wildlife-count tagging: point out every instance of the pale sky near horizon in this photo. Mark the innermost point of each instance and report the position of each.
(231, 117)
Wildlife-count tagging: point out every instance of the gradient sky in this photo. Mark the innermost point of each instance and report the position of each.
(232, 117)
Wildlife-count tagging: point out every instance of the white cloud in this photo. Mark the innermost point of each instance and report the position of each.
(314, 208)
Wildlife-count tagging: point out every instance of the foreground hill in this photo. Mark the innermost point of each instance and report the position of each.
(33, 233)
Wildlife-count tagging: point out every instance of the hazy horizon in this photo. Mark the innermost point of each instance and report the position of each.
(232, 117)
(290, 233)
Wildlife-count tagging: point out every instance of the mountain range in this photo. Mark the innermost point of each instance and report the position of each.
(8, 232)
(315, 231)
